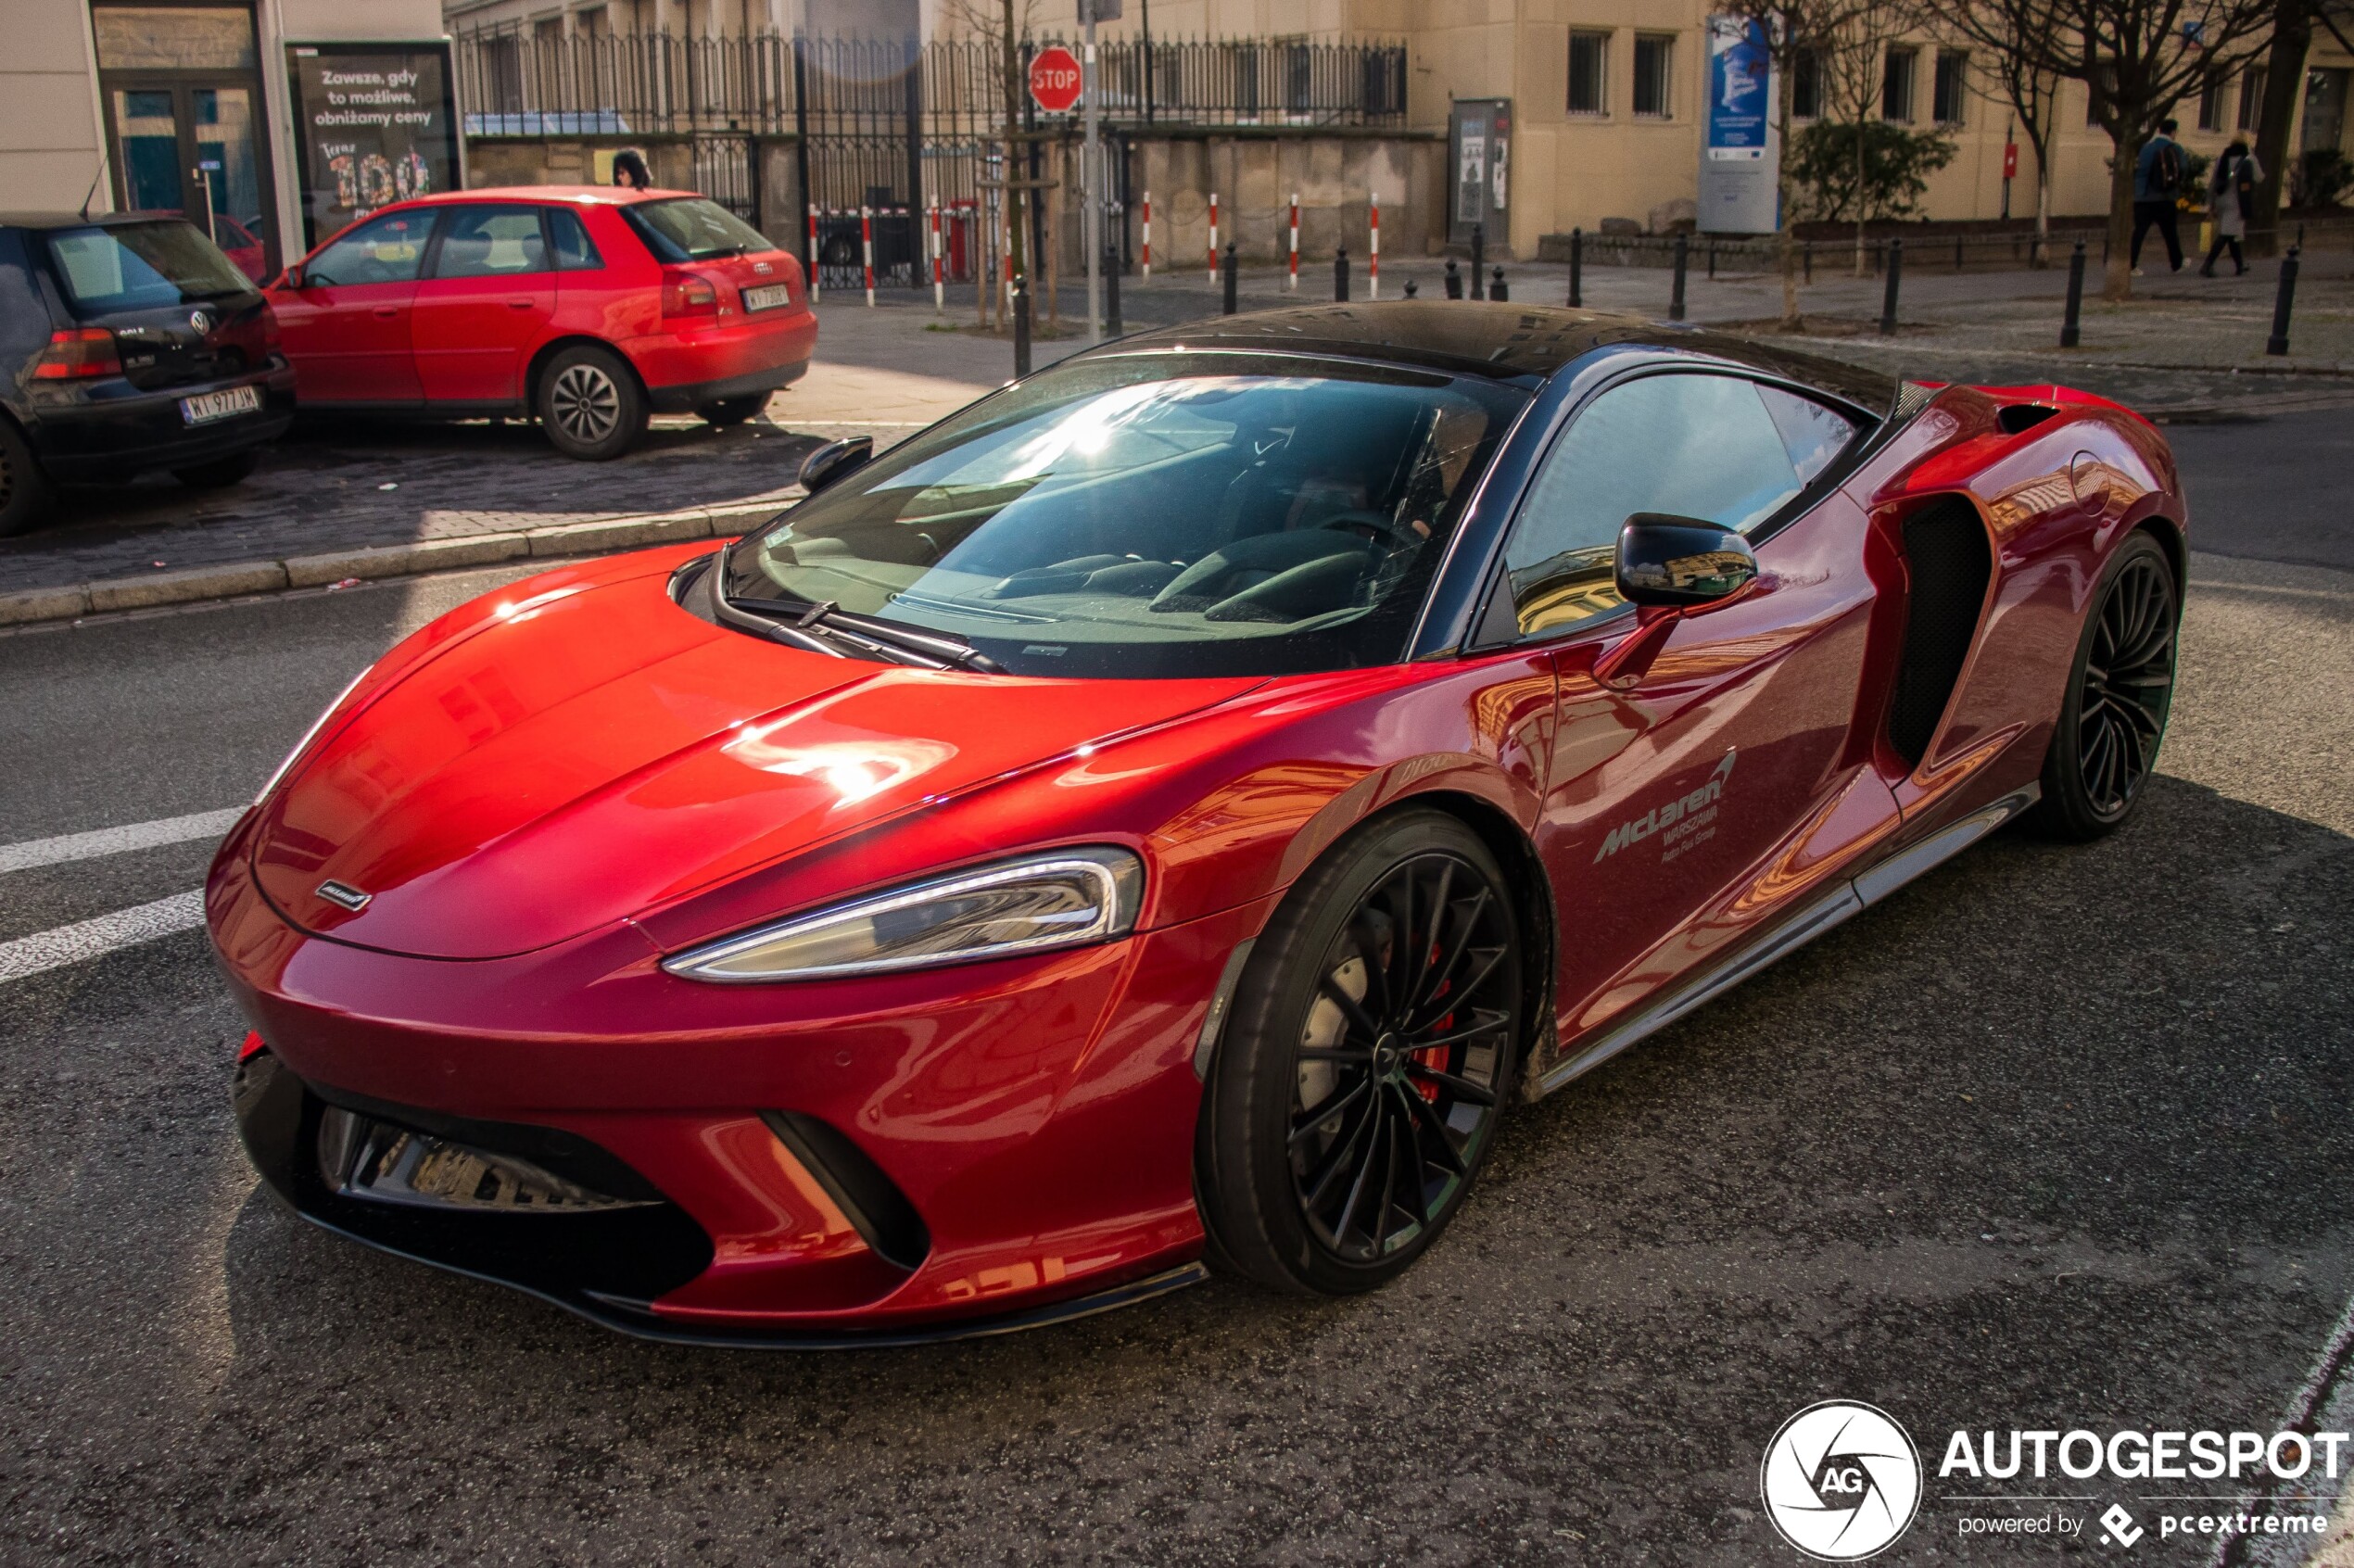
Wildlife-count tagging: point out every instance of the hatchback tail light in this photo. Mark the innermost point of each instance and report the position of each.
(75, 353)
(687, 294)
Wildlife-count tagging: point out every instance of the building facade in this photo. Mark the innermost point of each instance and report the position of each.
(279, 117)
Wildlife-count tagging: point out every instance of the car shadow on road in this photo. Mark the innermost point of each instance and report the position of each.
(2054, 1137)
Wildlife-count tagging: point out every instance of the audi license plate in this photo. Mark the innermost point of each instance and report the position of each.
(769, 296)
(206, 407)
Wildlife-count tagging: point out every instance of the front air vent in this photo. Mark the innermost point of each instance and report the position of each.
(871, 1201)
(2017, 418)
(1947, 563)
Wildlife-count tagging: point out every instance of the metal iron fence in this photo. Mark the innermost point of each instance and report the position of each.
(513, 80)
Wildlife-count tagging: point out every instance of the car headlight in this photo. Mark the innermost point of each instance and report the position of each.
(1060, 898)
(307, 736)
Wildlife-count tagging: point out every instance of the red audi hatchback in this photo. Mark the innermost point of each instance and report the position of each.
(586, 308)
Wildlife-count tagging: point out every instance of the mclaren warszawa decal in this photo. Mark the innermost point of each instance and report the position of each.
(1679, 824)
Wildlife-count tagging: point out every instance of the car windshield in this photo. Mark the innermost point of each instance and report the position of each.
(141, 267)
(690, 228)
(1156, 514)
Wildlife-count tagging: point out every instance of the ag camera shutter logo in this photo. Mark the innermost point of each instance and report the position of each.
(1841, 1481)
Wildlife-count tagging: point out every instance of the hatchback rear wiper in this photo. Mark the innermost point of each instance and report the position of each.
(811, 618)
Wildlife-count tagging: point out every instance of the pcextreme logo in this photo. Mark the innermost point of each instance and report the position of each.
(1840, 1480)
(1681, 823)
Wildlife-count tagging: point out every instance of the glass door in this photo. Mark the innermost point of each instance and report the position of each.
(183, 101)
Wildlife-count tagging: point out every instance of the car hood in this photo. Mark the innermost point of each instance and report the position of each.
(595, 753)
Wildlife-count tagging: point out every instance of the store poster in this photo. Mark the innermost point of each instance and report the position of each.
(374, 124)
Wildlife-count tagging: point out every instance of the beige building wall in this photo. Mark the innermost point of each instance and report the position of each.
(49, 131)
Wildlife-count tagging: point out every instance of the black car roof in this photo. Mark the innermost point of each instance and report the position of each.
(1501, 340)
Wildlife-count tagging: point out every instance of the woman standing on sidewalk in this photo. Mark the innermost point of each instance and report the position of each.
(2231, 196)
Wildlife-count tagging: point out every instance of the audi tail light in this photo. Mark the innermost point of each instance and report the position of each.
(687, 294)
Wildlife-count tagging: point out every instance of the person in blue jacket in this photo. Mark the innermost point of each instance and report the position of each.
(2157, 175)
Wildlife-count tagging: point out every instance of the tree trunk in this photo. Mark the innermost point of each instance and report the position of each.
(1016, 167)
(2117, 278)
(2039, 253)
(2284, 83)
(1859, 197)
(1786, 237)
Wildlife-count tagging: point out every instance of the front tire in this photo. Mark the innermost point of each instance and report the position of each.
(25, 495)
(591, 405)
(2121, 691)
(1363, 1069)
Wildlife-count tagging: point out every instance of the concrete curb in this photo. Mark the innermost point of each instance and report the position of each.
(231, 579)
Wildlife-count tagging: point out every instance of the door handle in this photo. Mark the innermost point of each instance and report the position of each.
(523, 303)
(386, 311)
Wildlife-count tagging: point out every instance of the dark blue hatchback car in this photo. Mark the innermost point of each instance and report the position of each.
(127, 342)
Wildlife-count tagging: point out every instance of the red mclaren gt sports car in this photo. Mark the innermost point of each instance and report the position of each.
(1160, 818)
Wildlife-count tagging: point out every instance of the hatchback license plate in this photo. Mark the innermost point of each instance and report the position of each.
(206, 407)
(767, 297)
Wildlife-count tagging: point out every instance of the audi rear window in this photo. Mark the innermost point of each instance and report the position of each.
(691, 229)
(140, 267)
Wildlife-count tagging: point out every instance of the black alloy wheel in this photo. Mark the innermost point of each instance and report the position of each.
(24, 489)
(590, 404)
(1366, 1063)
(2120, 695)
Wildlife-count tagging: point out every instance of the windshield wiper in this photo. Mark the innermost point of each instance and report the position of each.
(810, 618)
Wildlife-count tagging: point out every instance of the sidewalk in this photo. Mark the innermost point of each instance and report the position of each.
(385, 499)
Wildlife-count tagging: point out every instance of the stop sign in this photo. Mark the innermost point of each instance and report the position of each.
(1054, 78)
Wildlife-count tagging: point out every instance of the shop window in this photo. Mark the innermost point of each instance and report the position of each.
(1588, 73)
(2252, 98)
(1896, 85)
(1654, 59)
(1806, 85)
(1949, 97)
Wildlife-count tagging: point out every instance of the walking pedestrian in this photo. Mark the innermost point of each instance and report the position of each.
(629, 170)
(2157, 175)
(2231, 196)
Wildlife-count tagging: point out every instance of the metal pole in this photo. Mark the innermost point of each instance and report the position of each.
(813, 253)
(939, 278)
(1888, 300)
(2278, 343)
(1479, 251)
(1576, 269)
(1091, 218)
(1291, 280)
(1111, 293)
(1373, 255)
(1021, 326)
(1340, 274)
(1675, 299)
(1148, 265)
(866, 245)
(1227, 272)
(2075, 295)
(1213, 236)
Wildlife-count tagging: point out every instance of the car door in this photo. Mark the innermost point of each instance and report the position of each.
(1712, 780)
(487, 299)
(346, 328)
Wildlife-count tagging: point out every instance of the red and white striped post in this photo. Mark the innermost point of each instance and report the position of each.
(939, 282)
(1373, 255)
(1291, 282)
(814, 268)
(866, 245)
(1213, 236)
(1148, 233)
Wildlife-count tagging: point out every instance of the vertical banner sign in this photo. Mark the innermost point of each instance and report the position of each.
(1481, 132)
(374, 124)
(1740, 156)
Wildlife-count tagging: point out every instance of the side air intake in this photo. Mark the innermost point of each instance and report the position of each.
(1948, 562)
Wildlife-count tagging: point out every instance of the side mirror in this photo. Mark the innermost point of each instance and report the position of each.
(291, 277)
(1677, 561)
(835, 460)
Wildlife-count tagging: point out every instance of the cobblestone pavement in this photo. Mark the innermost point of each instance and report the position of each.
(2188, 348)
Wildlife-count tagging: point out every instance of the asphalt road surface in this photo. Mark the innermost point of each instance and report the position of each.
(2056, 1138)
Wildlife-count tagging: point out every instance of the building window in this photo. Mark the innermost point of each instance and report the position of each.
(1806, 85)
(2098, 90)
(2210, 105)
(2252, 98)
(1896, 85)
(1654, 57)
(1588, 73)
(1950, 96)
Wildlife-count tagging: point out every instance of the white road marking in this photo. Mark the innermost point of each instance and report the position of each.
(2324, 1404)
(94, 939)
(115, 840)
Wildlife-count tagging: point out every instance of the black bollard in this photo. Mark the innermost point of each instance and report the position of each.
(1576, 269)
(1340, 274)
(1021, 326)
(1712, 258)
(1888, 300)
(1226, 270)
(1808, 247)
(2278, 342)
(1410, 288)
(1676, 300)
(1496, 287)
(1479, 253)
(2075, 295)
(1454, 280)
(1111, 292)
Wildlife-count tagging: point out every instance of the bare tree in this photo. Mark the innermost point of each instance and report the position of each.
(2137, 59)
(2028, 89)
(1850, 66)
(2292, 25)
(1006, 24)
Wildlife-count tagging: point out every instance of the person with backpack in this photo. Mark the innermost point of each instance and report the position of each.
(2231, 196)
(2157, 175)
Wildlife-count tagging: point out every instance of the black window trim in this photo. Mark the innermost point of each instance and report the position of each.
(1495, 575)
(547, 211)
(430, 272)
(426, 262)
